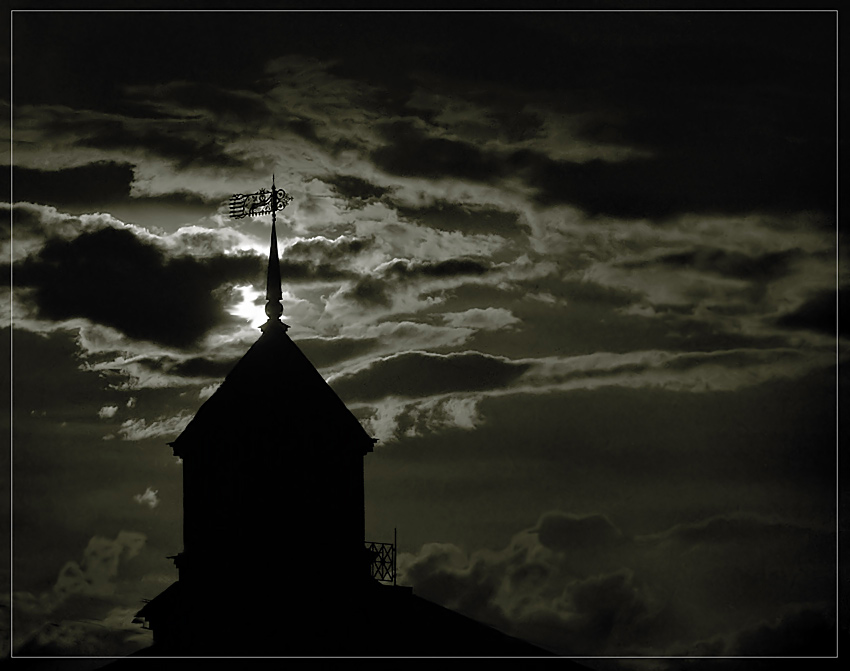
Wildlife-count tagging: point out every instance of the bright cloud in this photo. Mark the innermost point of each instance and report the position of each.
(488, 319)
(207, 391)
(140, 429)
(149, 498)
(393, 419)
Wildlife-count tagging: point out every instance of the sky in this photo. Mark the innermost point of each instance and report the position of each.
(578, 272)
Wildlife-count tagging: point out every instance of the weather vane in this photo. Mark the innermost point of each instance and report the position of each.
(261, 202)
(255, 204)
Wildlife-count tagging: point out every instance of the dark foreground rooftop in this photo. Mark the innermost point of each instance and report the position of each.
(381, 621)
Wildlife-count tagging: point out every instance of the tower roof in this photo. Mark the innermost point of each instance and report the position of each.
(274, 394)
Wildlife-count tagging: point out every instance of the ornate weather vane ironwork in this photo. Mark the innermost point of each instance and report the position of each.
(258, 203)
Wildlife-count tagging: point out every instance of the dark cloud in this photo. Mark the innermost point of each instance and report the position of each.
(436, 576)
(589, 313)
(771, 130)
(187, 142)
(444, 45)
(684, 332)
(410, 152)
(656, 188)
(45, 367)
(447, 216)
(97, 187)
(591, 292)
(758, 135)
(295, 271)
(201, 367)
(185, 145)
(190, 95)
(818, 314)
(610, 610)
(192, 367)
(802, 633)
(180, 54)
(70, 638)
(376, 290)
(324, 352)
(449, 52)
(343, 247)
(615, 59)
(28, 221)
(734, 359)
(90, 184)
(306, 129)
(87, 609)
(178, 198)
(409, 268)
(603, 449)
(664, 186)
(739, 528)
(370, 291)
(734, 121)
(761, 268)
(564, 532)
(515, 123)
(603, 593)
(622, 189)
(112, 277)
(419, 374)
(354, 188)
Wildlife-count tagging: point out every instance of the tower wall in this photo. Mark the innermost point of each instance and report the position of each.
(288, 520)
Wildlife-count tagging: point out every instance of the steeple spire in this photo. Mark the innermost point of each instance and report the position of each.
(273, 293)
(252, 205)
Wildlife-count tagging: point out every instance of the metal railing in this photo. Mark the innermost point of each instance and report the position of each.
(383, 565)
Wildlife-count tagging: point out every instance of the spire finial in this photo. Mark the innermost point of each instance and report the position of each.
(273, 293)
(255, 204)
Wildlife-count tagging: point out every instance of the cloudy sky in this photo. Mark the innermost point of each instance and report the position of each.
(577, 272)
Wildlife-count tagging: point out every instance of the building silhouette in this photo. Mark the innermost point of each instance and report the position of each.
(274, 560)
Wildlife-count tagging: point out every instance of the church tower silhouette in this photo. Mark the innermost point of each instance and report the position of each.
(274, 561)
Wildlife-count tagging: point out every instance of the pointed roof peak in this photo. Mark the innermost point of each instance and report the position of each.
(274, 380)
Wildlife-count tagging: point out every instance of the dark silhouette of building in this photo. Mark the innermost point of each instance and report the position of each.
(274, 560)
